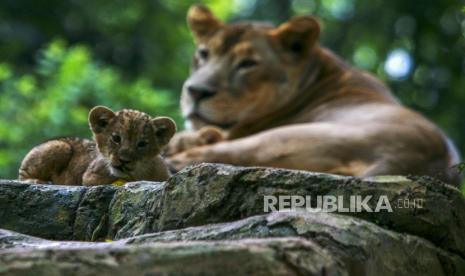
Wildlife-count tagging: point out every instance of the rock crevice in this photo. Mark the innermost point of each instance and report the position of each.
(219, 209)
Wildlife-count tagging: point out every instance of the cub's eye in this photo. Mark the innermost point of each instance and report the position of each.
(116, 138)
(142, 144)
(247, 63)
(203, 53)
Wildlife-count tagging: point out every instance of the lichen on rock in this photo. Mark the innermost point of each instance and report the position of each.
(222, 206)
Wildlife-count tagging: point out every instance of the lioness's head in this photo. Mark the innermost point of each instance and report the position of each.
(244, 71)
(128, 138)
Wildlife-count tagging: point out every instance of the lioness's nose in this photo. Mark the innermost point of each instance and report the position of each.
(199, 93)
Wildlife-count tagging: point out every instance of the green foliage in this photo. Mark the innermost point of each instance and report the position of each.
(55, 98)
(119, 50)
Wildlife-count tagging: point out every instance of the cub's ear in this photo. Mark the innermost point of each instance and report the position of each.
(99, 118)
(298, 35)
(165, 128)
(202, 22)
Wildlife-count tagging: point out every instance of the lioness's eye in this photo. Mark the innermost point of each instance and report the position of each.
(247, 63)
(116, 138)
(203, 53)
(142, 144)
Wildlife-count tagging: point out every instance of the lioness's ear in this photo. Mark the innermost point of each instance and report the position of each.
(165, 128)
(99, 117)
(298, 35)
(202, 22)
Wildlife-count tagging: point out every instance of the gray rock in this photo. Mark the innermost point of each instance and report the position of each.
(210, 193)
(362, 247)
(355, 246)
(286, 256)
(41, 210)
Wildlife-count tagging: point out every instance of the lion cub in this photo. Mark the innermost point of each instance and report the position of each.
(127, 147)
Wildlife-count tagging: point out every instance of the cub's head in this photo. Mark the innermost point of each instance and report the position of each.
(128, 137)
(244, 71)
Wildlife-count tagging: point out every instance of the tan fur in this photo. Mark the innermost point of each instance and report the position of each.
(287, 102)
(190, 139)
(127, 146)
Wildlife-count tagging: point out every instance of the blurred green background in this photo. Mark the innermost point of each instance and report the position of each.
(59, 58)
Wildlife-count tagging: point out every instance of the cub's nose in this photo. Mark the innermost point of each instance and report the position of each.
(124, 157)
(124, 161)
(199, 93)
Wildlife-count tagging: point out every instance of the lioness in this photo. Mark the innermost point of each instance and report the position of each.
(287, 102)
(126, 148)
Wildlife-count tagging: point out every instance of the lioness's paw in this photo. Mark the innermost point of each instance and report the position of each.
(187, 140)
(190, 157)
